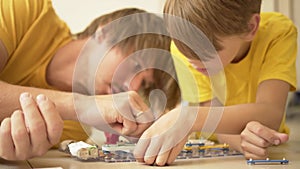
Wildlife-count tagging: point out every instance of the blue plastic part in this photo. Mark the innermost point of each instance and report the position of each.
(267, 161)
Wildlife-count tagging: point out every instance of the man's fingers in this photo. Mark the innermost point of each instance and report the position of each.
(139, 108)
(6, 142)
(53, 121)
(34, 121)
(140, 129)
(20, 135)
(129, 127)
(144, 117)
(137, 101)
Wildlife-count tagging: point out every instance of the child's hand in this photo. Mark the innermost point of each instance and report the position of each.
(163, 141)
(256, 138)
(31, 131)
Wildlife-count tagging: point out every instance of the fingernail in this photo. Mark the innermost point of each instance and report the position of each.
(24, 96)
(139, 114)
(40, 98)
(277, 142)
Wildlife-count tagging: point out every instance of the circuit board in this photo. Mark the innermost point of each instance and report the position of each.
(122, 152)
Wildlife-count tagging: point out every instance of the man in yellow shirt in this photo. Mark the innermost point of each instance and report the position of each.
(38, 55)
(236, 63)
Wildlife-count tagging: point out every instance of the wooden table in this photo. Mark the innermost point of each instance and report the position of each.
(54, 159)
(290, 151)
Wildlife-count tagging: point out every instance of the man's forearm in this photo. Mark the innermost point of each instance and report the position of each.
(9, 100)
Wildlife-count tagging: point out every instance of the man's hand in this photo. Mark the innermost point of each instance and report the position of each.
(123, 113)
(256, 138)
(31, 131)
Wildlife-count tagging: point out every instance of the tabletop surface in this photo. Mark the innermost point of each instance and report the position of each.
(55, 159)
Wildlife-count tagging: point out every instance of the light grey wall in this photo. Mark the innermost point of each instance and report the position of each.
(268, 5)
(79, 13)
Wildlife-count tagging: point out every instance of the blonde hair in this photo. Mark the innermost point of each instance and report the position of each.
(215, 18)
(139, 23)
(142, 23)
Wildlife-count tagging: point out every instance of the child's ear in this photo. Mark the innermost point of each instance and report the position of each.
(253, 25)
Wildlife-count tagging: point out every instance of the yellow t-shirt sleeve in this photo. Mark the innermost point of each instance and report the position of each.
(12, 27)
(280, 59)
(31, 33)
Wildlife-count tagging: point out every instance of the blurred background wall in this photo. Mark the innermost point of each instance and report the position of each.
(79, 13)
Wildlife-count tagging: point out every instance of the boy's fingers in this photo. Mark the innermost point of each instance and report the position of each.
(253, 149)
(266, 133)
(249, 155)
(155, 149)
(162, 158)
(141, 147)
(250, 137)
(175, 151)
(283, 137)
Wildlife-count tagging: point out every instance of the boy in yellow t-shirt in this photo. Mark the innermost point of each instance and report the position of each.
(257, 51)
(229, 57)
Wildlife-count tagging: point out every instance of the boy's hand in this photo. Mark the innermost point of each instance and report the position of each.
(31, 131)
(163, 141)
(256, 138)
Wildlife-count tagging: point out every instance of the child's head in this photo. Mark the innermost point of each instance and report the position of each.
(215, 18)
